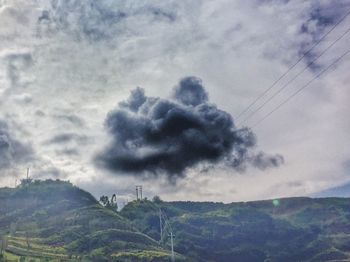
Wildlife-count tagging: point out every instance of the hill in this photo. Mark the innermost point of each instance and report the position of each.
(55, 220)
(290, 229)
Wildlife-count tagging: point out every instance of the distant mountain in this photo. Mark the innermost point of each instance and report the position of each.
(339, 191)
(56, 221)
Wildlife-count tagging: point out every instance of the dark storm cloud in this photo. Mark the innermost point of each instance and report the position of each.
(190, 92)
(159, 136)
(321, 17)
(65, 138)
(68, 152)
(68, 143)
(45, 16)
(264, 161)
(12, 151)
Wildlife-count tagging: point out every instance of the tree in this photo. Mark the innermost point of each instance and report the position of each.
(104, 201)
(110, 204)
(157, 200)
(26, 181)
(113, 203)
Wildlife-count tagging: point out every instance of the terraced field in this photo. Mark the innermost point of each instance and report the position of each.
(34, 248)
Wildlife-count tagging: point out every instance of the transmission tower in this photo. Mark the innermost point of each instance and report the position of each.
(161, 225)
(138, 192)
(172, 246)
(166, 226)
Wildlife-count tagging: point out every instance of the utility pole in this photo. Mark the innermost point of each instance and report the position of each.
(161, 225)
(138, 192)
(172, 246)
(27, 173)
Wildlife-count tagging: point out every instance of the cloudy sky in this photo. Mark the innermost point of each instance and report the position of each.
(70, 108)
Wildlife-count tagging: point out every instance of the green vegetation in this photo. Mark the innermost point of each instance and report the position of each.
(109, 203)
(56, 221)
(293, 229)
(146, 256)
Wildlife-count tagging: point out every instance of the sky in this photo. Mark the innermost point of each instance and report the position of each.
(84, 86)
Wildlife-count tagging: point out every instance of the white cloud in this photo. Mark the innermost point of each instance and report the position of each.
(84, 56)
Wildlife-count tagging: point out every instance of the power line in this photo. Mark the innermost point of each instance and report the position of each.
(166, 228)
(302, 88)
(295, 77)
(290, 68)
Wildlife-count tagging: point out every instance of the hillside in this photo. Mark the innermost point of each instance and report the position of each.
(291, 229)
(56, 220)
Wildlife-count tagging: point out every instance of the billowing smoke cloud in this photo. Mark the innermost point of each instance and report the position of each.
(167, 136)
(12, 151)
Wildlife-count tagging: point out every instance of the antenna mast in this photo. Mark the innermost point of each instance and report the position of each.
(138, 192)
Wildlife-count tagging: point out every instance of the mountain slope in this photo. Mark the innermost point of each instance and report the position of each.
(291, 229)
(54, 219)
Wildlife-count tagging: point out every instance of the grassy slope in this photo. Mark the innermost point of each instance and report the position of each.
(295, 229)
(63, 221)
